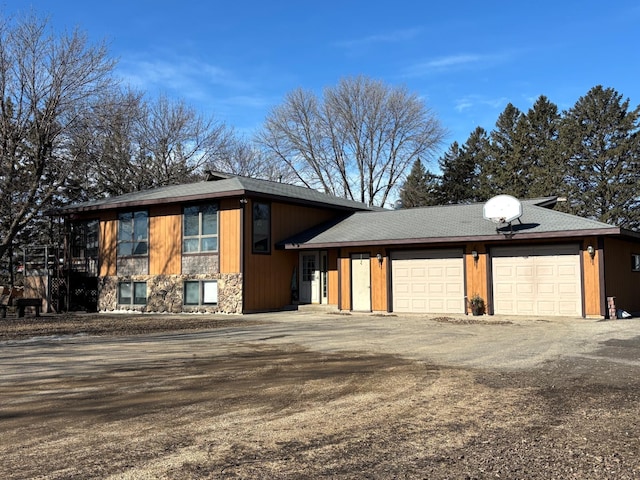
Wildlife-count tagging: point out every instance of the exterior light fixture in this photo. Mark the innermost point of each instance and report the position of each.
(591, 251)
(474, 254)
(379, 257)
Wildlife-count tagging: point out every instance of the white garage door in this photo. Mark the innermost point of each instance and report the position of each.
(537, 280)
(428, 281)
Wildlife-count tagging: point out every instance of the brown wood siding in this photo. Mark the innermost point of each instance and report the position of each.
(107, 243)
(379, 283)
(620, 281)
(267, 277)
(165, 240)
(591, 279)
(332, 278)
(476, 277)
(345, 280)
(230, 235)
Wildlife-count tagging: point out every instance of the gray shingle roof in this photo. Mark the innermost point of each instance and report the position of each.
(232, 186)
(443, 223)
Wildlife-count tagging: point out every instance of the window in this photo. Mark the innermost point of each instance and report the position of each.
(261, 227)
(635, 262)
(200, 229)
(201, 293)
(132, 293)
(133, 234)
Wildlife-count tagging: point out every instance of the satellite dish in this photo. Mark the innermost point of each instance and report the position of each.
(502, 209)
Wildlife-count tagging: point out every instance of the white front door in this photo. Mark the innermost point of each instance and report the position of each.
(309, 278)
(361, 282)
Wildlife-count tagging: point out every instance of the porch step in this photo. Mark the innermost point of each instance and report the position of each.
(315, 307)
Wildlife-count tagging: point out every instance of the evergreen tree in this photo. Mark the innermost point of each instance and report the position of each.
(421, 188)
(461, 169)
(543, 171)
(600, 142)
(504, 171)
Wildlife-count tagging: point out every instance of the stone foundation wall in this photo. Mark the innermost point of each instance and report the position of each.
(194, 264)
(132, 265)
(165, 293)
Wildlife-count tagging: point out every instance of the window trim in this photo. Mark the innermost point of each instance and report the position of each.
(201, 302)
(133, 302)
(132, 240)
(253, 228)
(200, 236)
(635, 262)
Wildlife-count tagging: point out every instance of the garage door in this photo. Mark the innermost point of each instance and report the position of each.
(428, 281)
(537, 280)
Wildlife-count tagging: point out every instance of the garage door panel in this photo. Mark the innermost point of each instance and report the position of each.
(435, 281)
(537, 280)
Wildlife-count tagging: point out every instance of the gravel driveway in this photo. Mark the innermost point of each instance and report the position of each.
(311, 394)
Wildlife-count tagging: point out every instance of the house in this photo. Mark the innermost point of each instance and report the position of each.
(237, 245)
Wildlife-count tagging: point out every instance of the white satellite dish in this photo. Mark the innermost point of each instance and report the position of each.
(502, 209)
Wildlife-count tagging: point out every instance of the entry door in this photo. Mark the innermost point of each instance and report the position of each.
(361, 282)
(309, 278)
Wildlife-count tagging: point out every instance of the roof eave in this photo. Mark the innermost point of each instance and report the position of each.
(207, 196)
(500, 237)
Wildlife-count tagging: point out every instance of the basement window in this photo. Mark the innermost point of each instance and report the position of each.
(132, 293)
(203, 292)
(635, 262)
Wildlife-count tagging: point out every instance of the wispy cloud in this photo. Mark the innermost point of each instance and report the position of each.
(188, 77)
(461, 61)
(395, 36)
(469, 102)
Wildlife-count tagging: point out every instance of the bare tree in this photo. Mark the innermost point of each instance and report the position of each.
(140, 145)
(357, 142)
(49, 86)
(241, 157)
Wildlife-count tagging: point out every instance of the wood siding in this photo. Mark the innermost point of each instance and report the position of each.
(379, 279)
(620, 281)
(107, 244)
(345, 280)
(593, 292)
(332, 278)
(267, 277)
(165, 240)
(230, 233)
(379, 283)
(476, 276)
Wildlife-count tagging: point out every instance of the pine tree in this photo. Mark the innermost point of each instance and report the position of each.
(461, 168)
(421, 188)
(600, 142)
(543, 171)
(504, 171)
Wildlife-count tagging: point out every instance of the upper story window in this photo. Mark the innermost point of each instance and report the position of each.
(635, 262)
(133, 233)
(200, 229)
(261, 221)
(84, 246)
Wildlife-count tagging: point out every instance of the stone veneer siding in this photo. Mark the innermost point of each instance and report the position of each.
(165, 293)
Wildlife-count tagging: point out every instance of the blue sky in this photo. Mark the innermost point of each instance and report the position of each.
(237, 59)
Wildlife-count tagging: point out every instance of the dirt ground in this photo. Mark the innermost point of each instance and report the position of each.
(94, 397)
